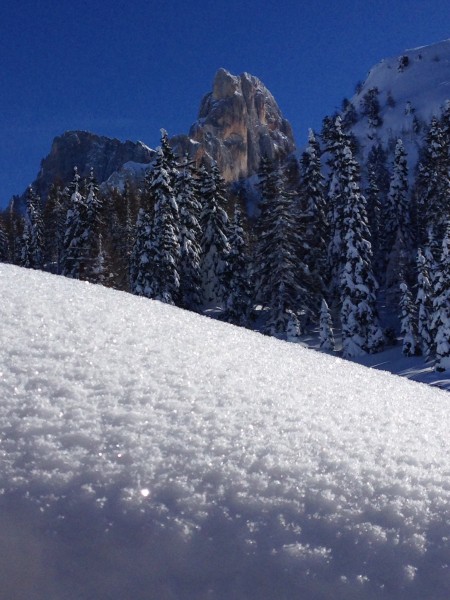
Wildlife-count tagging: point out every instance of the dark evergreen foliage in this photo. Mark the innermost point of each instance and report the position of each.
(424, 303)
(238, 301)
(215, 237)
(189, 209)
(370, 107)
(408, 323)
(165, 285)
(4, 244)
(441, 307)
(316, 230)
(33, 233)
(281, 280)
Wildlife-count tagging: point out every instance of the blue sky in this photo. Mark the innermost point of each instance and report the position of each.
(126, 69)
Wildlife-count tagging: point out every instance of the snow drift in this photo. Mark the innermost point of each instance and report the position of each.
(150, 453)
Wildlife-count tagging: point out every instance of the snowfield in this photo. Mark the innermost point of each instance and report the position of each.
(148, 453)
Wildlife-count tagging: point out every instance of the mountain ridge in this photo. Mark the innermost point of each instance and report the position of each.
(238, 122)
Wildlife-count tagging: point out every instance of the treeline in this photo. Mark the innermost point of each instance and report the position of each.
(323, 252)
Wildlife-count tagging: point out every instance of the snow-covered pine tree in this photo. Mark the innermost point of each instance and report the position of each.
(408, 323)
(316, 226)
(4, 244)
(189, 209)
(33, 233)
(377, 164)
(81, 237)
(432, 187)
(433, 271)
(141, 258)
(397, 209)
(165, 257)
(14, 229)
(396, 270)
(72, 256)
(373, 201)
(54, 215)
(361, 332)
(424, 305)
(98, 268)
(91, 238)
(397, 239)
(237, 304)
(215, 233)
(326, 335)
(370, 107)
(280, 280)
(337, 197)
(441, 307)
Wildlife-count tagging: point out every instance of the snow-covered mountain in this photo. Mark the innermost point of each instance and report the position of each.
(239, 120)
(151, 453)
(412, 88)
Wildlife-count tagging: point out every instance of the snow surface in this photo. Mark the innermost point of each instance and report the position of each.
(421, 89)
(150, 453)
(128, 172)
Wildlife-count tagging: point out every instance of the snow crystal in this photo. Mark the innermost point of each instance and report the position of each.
(148, 452)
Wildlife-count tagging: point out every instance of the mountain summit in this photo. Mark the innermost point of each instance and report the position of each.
(239, 121)
(406, 92)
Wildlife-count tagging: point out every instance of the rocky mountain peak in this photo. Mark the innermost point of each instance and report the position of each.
(239, 121)
(85, 150)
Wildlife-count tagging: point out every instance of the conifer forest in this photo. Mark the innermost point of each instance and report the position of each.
(357, 252)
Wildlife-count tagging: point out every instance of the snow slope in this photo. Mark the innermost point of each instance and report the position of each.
(150, 453)
(418, 82)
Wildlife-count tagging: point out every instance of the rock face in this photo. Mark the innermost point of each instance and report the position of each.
(86, 150)
(238, 122)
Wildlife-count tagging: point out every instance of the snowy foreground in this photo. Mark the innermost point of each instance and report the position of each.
(150, 453)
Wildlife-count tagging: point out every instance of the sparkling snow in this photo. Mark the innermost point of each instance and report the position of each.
(420, 91)
(150, 453)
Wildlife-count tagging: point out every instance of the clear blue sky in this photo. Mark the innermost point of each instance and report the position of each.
(126, 69)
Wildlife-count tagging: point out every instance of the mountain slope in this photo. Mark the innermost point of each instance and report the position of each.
(413, 87)
(150, 453)
(238, 122)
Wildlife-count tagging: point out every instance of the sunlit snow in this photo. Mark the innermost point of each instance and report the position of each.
(419, 90)
(150, 453)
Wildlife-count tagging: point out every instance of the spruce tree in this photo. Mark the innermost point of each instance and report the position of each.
(370, 107)
(54, 225)
(373, 198)
(361, 332)
(14, 227)
(4, 244)
(316, 226)
(326, 336)
(432, 188)
(165, 276)
(142, 256)
(81, 238)
(189, 208)
(93, 251)
(397, 229)
(71, 260)
(33, 233)
(441, 307)
(424, 305)
(397, 210)
(237, 305)
(281, 281)
(342, 174)
(408, 320)
(215, 237)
